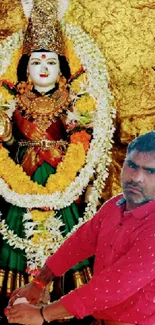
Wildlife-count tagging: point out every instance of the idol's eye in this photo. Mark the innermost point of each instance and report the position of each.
(51, 62)
(35, 63)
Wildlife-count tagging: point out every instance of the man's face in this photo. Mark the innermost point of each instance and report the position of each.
(138, 178)
(43, 68)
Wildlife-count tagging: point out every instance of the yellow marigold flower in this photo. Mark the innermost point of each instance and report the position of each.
(40, 237)
(73, 60)
(22, 182)
(40, 216)
(76, 83)
(5, 96)
(85, 104)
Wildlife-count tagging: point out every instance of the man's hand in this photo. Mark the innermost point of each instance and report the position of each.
(33, 290)
(30, 291)
(24, 314)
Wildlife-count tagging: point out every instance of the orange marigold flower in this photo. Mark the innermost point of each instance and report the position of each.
(81, 136)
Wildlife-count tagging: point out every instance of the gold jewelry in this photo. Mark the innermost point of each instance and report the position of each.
(44, 144)
(44, 109)
(24, 87)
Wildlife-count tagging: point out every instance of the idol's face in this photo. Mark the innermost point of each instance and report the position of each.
(138, 178)
(43, 68)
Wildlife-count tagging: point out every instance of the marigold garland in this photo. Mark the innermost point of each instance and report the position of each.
(66, 172)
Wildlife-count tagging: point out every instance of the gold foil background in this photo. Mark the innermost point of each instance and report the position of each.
(11, 18)
(125, 33)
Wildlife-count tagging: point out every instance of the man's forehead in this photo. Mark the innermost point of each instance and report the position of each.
(146, 159)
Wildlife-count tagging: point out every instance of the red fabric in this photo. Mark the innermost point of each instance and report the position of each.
(35, 156)
(123, 285)
(31, 131)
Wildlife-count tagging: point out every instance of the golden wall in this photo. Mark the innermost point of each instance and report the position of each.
(125, 33)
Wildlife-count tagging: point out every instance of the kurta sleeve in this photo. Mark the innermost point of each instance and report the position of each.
(79, 246)
(117, 283)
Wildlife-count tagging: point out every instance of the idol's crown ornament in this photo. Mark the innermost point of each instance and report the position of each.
(44, 30)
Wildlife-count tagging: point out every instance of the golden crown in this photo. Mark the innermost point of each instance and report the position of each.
(44, 30)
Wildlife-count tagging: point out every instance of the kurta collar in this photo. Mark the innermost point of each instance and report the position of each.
(140, 212)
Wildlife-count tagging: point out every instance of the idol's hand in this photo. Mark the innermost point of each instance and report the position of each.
(24, 314)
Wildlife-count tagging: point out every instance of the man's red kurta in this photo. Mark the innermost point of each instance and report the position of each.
(123, 284)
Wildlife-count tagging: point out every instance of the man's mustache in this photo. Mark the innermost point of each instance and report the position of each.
(132, 184)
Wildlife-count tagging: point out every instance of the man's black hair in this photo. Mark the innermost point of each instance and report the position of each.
(23, 62)
(143, 143)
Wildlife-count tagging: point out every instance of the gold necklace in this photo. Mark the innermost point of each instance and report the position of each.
(43, 109)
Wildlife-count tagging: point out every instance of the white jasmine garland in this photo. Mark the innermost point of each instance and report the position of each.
(7, 48)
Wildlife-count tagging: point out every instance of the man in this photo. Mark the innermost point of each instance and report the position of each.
(122, 238)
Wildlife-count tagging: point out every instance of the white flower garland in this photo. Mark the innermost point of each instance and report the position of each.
(37, 253)
(98, 157)
(103, 125)
(7, 48)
